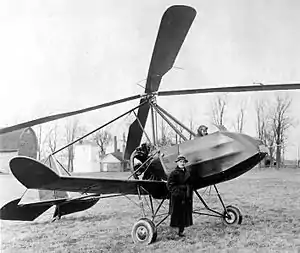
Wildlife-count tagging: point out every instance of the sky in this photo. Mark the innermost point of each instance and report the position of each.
(59, 56)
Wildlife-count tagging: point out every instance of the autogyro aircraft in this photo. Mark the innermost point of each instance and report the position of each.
(213, 158)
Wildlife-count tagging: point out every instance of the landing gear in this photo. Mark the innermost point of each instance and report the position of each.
(57, 214)
(232, 216)
(144, 232)
(56, 218)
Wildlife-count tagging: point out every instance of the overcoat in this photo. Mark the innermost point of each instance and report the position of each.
(181, 199)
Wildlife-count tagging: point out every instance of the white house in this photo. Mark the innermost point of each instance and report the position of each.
(113, 162)
(86, 157)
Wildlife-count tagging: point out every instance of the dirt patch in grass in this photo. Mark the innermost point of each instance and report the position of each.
(269, 201)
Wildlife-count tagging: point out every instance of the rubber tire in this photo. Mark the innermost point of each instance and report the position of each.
(144, 232)
(235, 213)
(154, 228)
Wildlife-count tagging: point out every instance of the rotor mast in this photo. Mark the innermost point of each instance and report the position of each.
(166, 116)
(154, 126)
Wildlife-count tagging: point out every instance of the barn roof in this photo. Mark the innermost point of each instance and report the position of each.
(10, 141)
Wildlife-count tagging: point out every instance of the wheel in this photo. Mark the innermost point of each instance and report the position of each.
(154, 227)
(232, 216)
(144, 232)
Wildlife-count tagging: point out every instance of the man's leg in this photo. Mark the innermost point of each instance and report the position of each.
(180, 231)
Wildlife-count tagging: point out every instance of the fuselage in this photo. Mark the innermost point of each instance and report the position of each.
(213, 159)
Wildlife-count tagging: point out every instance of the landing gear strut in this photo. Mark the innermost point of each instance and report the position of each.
(230, 216)
(57, 214)
(144, 231)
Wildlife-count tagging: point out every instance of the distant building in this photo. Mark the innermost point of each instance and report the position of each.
(86, 157)
(114, 162)
(21, 142)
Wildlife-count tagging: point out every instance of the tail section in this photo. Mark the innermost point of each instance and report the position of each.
(58, 169)
(34, 202)
(75, 205)
(31, 196)
(14, 211)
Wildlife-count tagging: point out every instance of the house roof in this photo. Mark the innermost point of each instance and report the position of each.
(10, 141)
(109, 158)
(119, 155)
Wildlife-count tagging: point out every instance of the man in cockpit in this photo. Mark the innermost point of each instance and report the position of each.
(202, 131)
(141, 156)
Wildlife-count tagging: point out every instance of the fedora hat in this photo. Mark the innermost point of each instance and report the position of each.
(181, 157)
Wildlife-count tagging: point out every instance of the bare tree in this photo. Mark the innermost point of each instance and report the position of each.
(264, 127)
(72, 131)
(192, 125)
(261, 119)
(52, 138)
(166, 135)
(218, 107)
(281, 122)
(102, 138)
(47, 140)
(178, 138)
(240, 119)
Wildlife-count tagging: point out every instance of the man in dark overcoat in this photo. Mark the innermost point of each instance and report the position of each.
(181, 199)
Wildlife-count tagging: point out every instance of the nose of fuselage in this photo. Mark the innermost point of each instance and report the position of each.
(249, 147)
(224, 156)
(248, 142)
(216, 153)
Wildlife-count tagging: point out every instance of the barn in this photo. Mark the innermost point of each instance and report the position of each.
(20, 142)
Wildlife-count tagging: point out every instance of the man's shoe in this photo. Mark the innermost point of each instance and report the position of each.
(181, 234)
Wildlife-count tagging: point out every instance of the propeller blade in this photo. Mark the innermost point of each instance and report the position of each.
(173, 29)
(63, 115)
(271, 87)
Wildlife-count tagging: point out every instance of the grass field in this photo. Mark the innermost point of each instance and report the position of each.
(269, 201)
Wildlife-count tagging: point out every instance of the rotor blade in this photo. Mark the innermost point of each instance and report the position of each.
(173, 29)
(63, 115)
(135, 132)
(271, 87)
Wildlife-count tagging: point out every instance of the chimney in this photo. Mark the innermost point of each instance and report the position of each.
(115, 144)
(124, 142)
